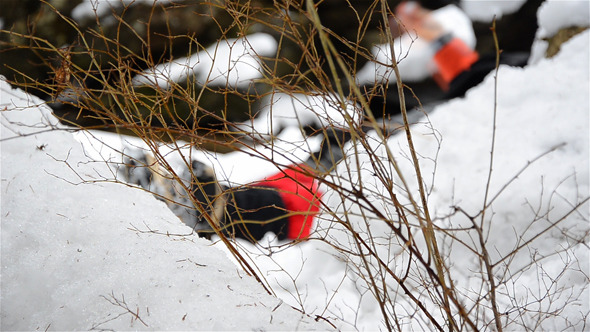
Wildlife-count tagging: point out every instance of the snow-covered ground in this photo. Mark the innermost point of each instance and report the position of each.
(486, 10)
(101, 255)
(542, 129)
(89, 9)
(230, 62)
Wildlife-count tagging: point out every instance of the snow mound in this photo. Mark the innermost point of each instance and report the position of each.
(81, 255)
(485, 11)
(542, 112)
(281, 110)
(556, 15)
(540, 174)
(232, 62)
(89, 9)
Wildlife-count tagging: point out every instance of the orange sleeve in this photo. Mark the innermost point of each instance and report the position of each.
(452, 59)
(301, 196)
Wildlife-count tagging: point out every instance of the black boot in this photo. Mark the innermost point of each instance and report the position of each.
(207, 199)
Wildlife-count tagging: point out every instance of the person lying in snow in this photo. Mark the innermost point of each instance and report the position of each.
(285, 203)
(459, 67)
(451, 55)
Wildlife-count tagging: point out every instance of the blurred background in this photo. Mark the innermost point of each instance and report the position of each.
(141, 34)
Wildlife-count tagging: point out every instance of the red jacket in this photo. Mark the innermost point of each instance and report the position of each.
(452, 59)
(301, 196)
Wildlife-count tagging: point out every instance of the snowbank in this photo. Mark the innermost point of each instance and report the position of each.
(89, 9)
(543, 111)
(540, 173)
(80, 256)
(554, 15)
(486, 10)
(231, 62)
(278, 111)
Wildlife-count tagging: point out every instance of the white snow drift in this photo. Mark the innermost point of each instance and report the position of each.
(81, 256)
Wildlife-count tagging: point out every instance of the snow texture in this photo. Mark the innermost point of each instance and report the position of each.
(99, 255)
(89, 9)
(280, 110)
(542, 109)
(486, 10)
(543, 112)
(554, 15)
(230, 62)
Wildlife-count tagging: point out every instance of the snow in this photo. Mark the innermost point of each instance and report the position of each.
(97, 8)
(486, 10)
(281, 110)
(541, 109)
(100, 255)
(554, 15)
(68, 250)
(543, 113)
(229, 62)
